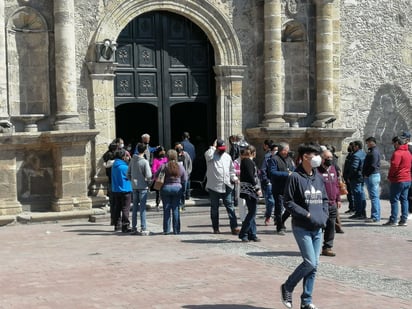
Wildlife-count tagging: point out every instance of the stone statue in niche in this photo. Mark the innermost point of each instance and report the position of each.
(37, 178)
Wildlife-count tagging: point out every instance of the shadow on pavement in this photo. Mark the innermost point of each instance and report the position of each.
(274, 253)
(221, 306)
(208, 241)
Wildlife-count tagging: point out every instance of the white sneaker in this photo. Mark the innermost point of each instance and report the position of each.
(144, 233)
(308, 306)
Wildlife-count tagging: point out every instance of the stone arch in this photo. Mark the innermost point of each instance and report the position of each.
(216, 26)
(228, 68)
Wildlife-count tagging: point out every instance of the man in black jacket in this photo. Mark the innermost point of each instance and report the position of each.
(280, 166)
(372, 176)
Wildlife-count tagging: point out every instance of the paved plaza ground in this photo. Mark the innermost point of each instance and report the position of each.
(79, 264)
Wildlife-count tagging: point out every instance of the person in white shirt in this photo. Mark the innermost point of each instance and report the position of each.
(221, 177)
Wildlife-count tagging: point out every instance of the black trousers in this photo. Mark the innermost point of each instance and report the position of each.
(329, 234)
(122, 201)
(279, 208)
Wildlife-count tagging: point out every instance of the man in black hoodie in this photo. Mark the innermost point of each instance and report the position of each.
(306, 199)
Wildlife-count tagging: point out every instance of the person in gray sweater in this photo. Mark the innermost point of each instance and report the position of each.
(140, 175)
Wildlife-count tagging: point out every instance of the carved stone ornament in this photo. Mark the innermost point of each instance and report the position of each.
(293, 6)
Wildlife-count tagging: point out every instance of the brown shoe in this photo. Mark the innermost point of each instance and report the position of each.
(236, 231)
(328, 252)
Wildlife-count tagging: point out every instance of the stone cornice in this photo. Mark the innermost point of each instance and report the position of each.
(323, 2)
(100, 70)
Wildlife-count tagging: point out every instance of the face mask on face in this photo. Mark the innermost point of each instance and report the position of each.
(316, 161)
(328, 162)
(179, 150)
(121, 145)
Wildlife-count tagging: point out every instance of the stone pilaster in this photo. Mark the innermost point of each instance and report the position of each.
(324, 62)
(4, 115)
(103, 118)
(71, 155)
(9, 204)
(274, 77)
(229, 99)
(67, 116)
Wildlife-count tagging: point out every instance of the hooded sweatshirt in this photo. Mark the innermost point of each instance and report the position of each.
(120, 182)
(400, 169)
(139, 173)
(306, 194)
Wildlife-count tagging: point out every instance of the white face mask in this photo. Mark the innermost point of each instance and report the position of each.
(316, 161)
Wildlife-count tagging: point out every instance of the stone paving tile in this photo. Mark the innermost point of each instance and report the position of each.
(76, 264)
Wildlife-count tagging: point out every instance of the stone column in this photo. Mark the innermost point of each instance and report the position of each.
(274, 77)
(103, 119)
(4, 115)
(229, 99)
(67, 116)
(324, 62)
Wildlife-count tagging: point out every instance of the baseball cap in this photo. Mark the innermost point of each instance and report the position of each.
(220, 144)
(406, 134)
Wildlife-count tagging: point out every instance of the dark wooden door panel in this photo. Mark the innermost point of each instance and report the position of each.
(163, 60)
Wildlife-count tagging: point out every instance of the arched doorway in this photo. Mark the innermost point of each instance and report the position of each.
(164, 82)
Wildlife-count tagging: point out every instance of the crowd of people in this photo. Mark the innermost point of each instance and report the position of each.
(306, 186)
(132, 176)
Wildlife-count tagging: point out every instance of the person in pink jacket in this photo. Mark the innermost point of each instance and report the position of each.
(159, 157)
(400, 178)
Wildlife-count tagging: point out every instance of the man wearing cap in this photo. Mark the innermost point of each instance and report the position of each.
(220, 176)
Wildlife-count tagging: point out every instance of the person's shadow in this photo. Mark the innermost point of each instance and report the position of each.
(222, 306)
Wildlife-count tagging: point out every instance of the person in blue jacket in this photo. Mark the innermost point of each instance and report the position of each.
(122, 191)
(306, 200)
(356, 180)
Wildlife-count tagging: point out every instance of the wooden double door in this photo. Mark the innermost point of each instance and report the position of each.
(164, 82)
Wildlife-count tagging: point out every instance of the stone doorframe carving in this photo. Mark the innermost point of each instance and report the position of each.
(228, 62)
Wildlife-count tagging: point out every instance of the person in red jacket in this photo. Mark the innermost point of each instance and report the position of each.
(400, 178)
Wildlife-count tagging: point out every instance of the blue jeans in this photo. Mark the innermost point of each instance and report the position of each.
(269, 200)
(187, 189)
(309, 243)
(139, 204)
(399, 192)
(214, 207)
(248, 229)
(359, 199)
(183, 195)
(171, 195)
(372, 184)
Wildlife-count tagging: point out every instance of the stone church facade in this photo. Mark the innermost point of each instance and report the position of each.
(79, 73)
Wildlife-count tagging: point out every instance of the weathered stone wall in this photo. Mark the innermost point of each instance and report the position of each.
(376, 68)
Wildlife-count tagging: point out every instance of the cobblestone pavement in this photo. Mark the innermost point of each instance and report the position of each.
(77, 264)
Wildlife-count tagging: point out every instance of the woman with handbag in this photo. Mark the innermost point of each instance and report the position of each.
(170, 192)
(250, 192)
